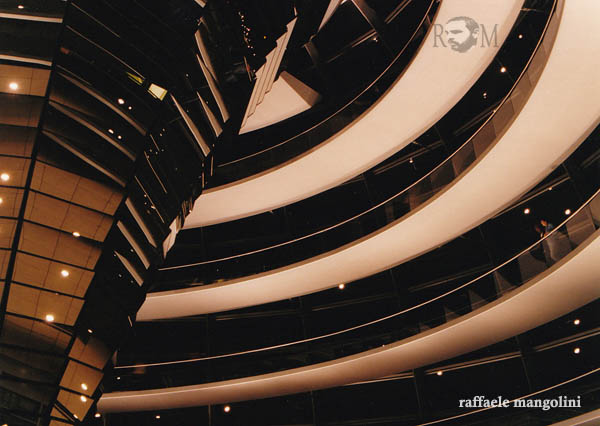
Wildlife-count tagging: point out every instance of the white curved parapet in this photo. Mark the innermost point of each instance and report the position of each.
(568, 285)
(435, 81)
(562, 110)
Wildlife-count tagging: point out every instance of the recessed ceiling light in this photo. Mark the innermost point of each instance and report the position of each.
(157, 416)
(111, 131)
(577, 322)
(13, 86)
(439, 373)
(118, 377)
(1, 200)
(130, 108)
(484, 95)
(121, 101)
(97, 415)
(83, 398)
(119, 137)
(503, 69)
(64, 273)
(568, 212)
(90, 331)
(342, 286)
(21, 6)
(76, 234)
(576, 350)
(5, 177)
(227, 408)
(75, 415)
(526, 211)
(520, 35)
(50, 318)
(84, 386)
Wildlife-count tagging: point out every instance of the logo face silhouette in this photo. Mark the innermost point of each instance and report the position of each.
(462, 33)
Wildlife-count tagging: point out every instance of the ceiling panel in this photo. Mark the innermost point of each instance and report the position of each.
(34, 334)
(58, 245)
(36, 303)
(7, 231)
(94, 352)
(10, 201)
(67, 217)
(23, 80)
(77, 374)
(13, 170)
(71, 187)
(46, 274)
(17, 110)
(16, 140)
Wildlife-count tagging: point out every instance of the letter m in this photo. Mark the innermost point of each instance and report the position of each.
(487, 41)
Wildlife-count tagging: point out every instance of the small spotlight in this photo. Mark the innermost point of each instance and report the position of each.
(75, 415)
(520, 36)
(503, 69)
(157, 416)
(90, 331)
(76, 234)
(484, 95)
(119, 137)
(5, 177)
(526, 211)
(20, 6)
(439, 373)
(129, 107)
(84, 386)
(550, 189)
(64, 273)
(83, 398)
(118, 377)
(577, 321)
(97, 415)
(50, 318)
(342, 286)
(568, 212)
(121, 101)
(227, 408)
(1, 200)
(411, 161)
(111, 131)
(13, 86)
(576, 350)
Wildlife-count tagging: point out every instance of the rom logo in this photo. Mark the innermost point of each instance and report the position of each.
(462, 33)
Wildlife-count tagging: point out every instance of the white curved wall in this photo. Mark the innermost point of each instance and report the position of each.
(561, 112)
(568, 285)
(434, 82)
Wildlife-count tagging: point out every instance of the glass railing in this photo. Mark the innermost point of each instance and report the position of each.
(463, 299)
(236, 168)
(387, 211)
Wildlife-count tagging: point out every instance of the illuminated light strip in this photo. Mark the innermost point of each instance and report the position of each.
(138, 219)
(27, 60)
(31, 18)
(195, 132)
(136, 247)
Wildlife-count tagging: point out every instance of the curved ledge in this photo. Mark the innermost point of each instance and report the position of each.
(421, 105)
(574, 89)
(568, 285)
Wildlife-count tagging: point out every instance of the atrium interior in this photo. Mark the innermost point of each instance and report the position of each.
(299, 212)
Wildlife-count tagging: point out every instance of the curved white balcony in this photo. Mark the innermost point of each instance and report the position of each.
(560, 113)
(569, 284)
(435, 81)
